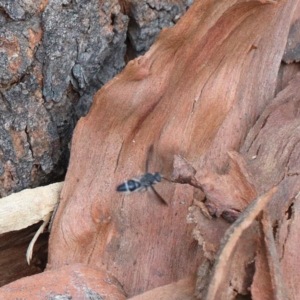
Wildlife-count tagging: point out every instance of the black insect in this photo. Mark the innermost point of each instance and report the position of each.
(143, 182)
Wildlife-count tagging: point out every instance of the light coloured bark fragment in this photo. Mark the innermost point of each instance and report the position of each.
(30, 206)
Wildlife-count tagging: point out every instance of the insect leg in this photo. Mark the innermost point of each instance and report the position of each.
(159, 197)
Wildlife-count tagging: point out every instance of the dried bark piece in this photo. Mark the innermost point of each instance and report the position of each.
(69, 282)
(261, 287)
(28, 207)
(292, 50)
(202, 106)
(278, 127)
(183, 172)
(203, 278)
(228, 194)
(268, 280)
(279, 288)
(182, 289)
(218, 286)
(280, 124)
(20, 210)
(208, 232)
(287, 230)
(29, 251)
(276, 131)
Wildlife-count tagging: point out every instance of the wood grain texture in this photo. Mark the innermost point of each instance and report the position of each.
(69, 282)
(195, 93)
(203, 92)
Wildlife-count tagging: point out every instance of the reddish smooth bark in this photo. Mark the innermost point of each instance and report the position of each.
(204, 91)
(69, 282)
(196, 93)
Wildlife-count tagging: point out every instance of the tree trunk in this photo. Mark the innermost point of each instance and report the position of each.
(209, 107)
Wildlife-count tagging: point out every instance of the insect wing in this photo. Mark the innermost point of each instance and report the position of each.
(149, 157)
(158, 196)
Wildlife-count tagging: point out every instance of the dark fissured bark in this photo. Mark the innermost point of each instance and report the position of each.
(54, 56)
(147, 18)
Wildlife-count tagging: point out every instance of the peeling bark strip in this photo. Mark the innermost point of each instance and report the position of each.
(64, 283)
(279, 288)
(196, 93)
(62, 52)
(28, 207)
(231, 192)
(274, 144)
(217, 288)
(181, 290)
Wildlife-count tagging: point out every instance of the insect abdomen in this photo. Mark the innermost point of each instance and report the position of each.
(129, 186)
